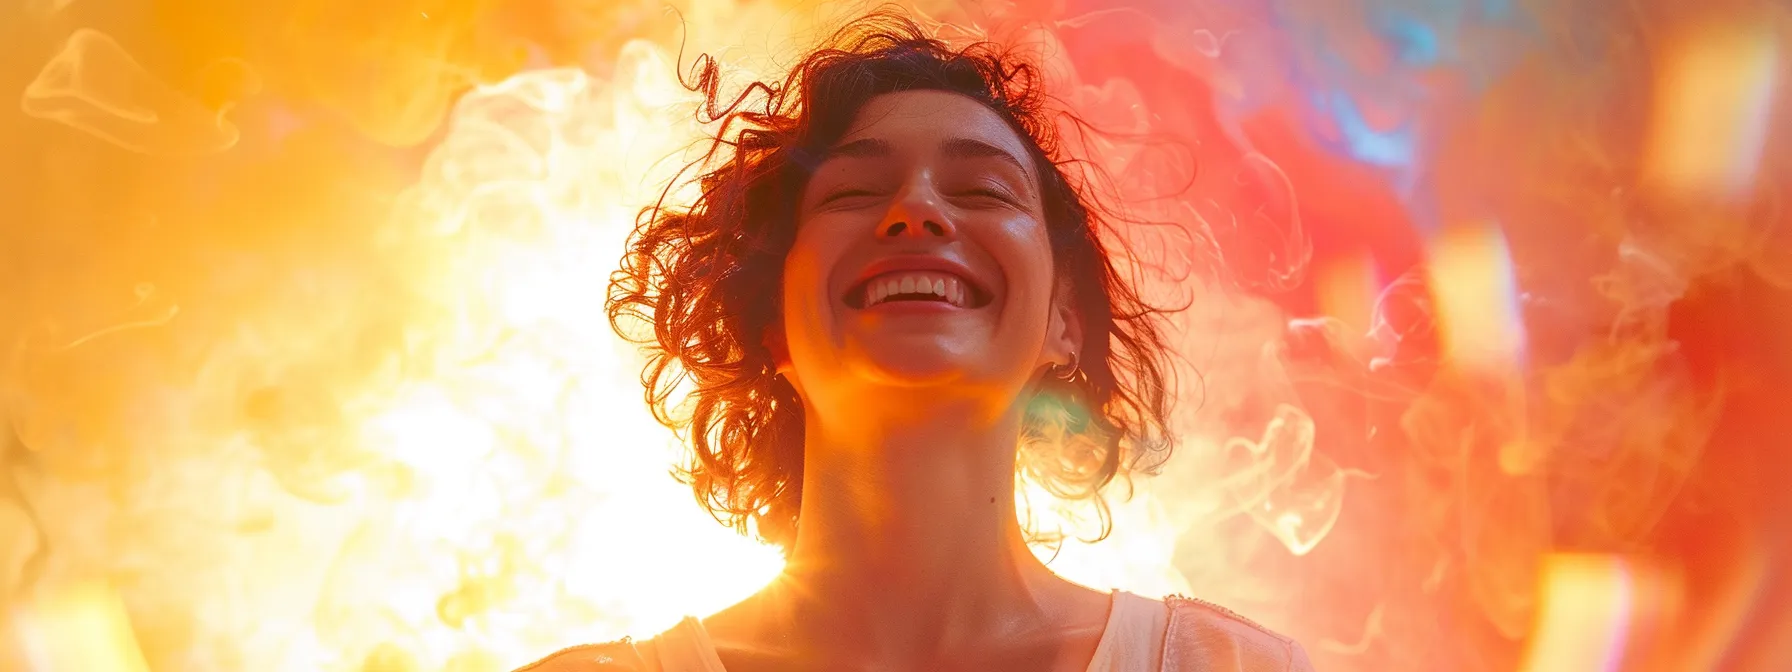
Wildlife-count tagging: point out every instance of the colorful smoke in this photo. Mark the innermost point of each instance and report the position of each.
(304, 367)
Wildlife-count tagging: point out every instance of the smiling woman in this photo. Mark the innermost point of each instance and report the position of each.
(888, 303)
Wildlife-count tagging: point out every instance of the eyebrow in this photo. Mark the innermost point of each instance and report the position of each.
(966, 148)
(864, 148)
(955, 148)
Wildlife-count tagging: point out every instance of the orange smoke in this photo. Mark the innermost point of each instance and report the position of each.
(303, 364)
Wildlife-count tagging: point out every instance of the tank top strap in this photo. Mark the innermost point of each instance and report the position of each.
(686, 647)
(1133, 639)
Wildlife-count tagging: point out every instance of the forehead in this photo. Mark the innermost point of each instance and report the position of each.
(923, 119)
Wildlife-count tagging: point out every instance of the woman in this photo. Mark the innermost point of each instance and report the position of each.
(888, 301)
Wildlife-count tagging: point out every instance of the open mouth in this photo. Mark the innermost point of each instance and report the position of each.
(934, 286)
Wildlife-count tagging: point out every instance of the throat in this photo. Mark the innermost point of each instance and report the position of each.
(908, 542)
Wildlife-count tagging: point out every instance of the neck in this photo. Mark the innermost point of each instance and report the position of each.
(908, 543)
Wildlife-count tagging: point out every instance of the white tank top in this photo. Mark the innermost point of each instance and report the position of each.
(1132, 640)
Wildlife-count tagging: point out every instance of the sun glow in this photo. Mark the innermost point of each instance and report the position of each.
(304, 363)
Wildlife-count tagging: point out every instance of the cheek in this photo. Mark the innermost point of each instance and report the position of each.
(806, 269)
(1029, 260)
(1023, 251)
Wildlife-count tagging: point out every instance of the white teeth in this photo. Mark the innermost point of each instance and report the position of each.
(949, 287)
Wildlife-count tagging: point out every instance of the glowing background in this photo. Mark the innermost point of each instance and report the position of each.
(303, 364)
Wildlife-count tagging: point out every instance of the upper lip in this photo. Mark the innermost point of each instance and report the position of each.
(920, 262)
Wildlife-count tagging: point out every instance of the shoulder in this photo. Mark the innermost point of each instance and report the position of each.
(1205, 636)
(619, 656)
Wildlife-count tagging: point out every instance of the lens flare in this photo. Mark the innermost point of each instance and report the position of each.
(1477, 299)
(1711, 110)
(78, 627)
(1597, 612)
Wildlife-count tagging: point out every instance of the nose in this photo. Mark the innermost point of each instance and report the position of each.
(916, 213)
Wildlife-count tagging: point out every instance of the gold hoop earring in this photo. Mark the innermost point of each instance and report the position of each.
(1067, 372)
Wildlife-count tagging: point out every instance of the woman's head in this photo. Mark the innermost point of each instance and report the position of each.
(887, 230)
(921, 262)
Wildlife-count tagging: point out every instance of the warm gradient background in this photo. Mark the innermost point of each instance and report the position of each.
(1488, 364)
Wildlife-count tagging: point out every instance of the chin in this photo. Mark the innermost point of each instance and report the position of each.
(912, 367)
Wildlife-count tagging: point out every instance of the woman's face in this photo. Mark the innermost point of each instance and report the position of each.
(921, 258)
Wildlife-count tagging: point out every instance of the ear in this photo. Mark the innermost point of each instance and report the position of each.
(1064, 332)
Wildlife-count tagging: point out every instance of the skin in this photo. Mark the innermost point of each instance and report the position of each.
(909, 555)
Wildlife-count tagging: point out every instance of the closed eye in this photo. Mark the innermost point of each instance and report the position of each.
(987, 193)
(849, 193)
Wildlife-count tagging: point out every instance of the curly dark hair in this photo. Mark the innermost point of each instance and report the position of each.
(708, 276)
